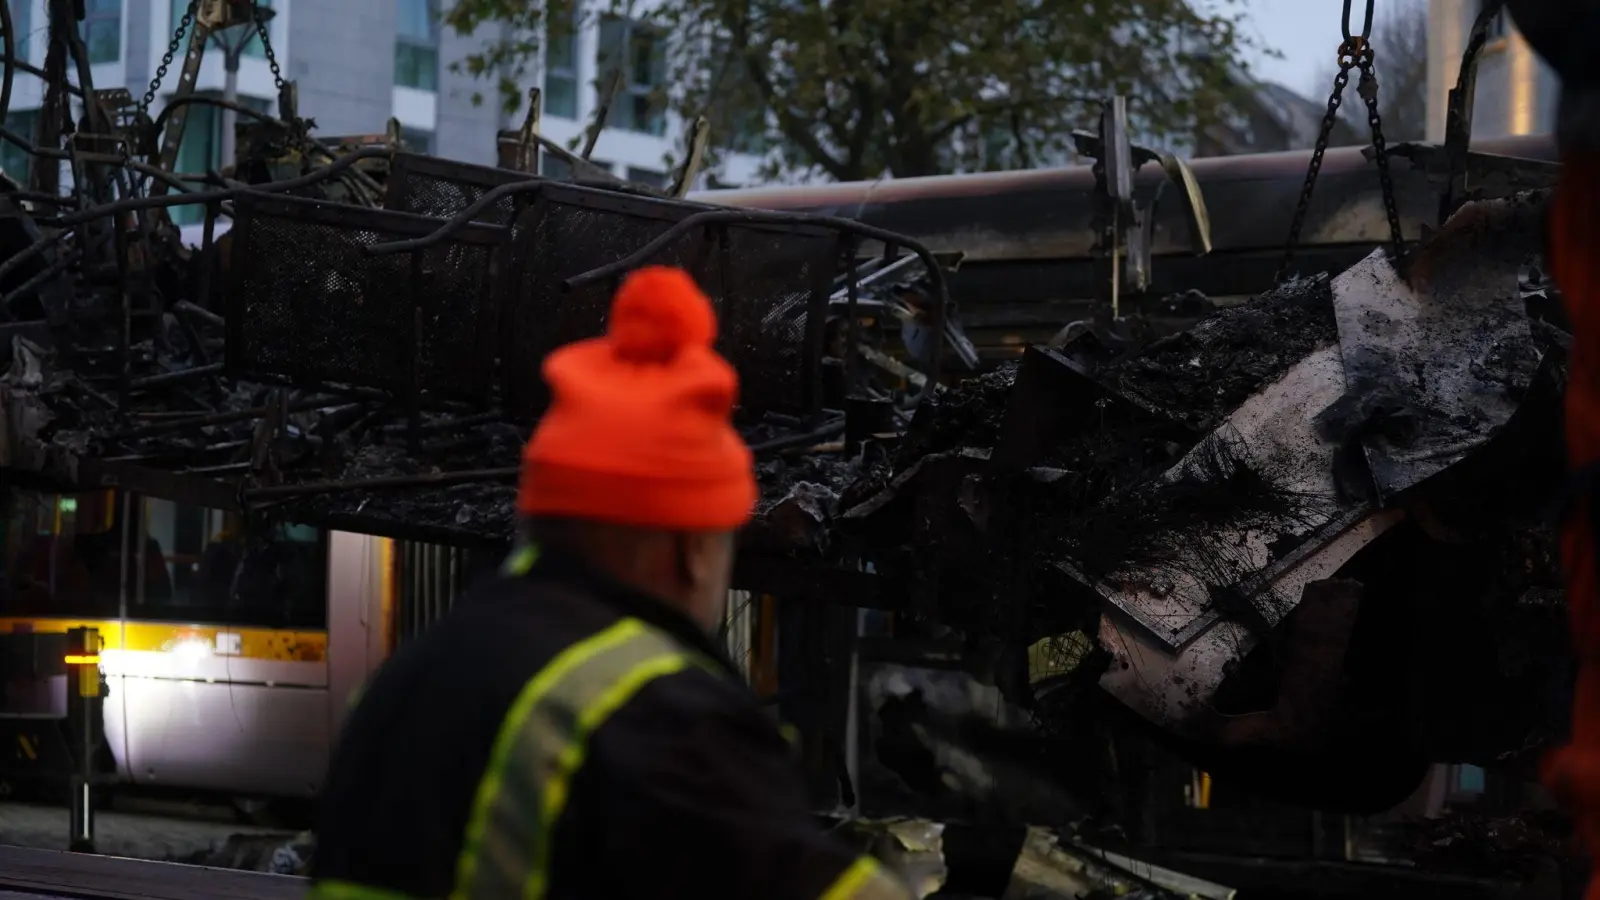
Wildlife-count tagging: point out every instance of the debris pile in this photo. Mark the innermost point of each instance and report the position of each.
(1179, 501)
(1483, 844)
(1212, 520)
(274, 854)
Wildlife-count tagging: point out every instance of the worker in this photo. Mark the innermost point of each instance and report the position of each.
(1566, 33)
(571, 729)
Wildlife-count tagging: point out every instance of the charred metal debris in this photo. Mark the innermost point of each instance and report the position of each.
(1192, 521)
(362, 347)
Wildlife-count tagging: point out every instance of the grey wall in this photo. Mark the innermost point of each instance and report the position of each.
(464, 131)
(1548, 97)
(346, 78)
(1491, 107)
(136, 62)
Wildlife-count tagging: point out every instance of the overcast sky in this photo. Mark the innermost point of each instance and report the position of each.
(1307, 33)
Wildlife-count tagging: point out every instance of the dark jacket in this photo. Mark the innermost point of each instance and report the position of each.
(503, 754)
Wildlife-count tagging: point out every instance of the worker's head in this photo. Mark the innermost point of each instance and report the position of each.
(636, 465)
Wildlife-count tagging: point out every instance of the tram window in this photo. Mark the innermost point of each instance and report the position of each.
(62, 555)
(224, 572)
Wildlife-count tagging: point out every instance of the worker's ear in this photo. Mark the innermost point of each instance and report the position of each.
(705, 558)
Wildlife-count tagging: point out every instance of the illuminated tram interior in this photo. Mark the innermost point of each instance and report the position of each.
(216, 637)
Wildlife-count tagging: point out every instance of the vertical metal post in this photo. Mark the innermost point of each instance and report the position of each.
(852, 324)
(125, 303)
(172, 135)
(414, 387)
(208, 244)
(230, 94)
(85, 723)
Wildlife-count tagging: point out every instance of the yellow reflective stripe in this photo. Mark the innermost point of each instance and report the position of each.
(344, 890)
(521, 560)
(571, 759)
(534, 691)
(865, 880)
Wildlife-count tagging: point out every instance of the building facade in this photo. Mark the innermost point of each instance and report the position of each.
(1516, 92)
(1268, 118)
(359, 62)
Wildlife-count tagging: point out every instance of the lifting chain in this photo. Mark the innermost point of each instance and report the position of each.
(1329, 119)
(178, 34)
(272, 58)
(190, 13)
(1355, 52)
(1367, 87)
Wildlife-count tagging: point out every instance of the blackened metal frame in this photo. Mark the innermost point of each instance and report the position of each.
(251, 206)
(708, 218)
(410, 174)
(713, 267)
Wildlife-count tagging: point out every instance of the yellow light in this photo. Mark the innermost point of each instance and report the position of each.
(78, 659)
(1524, 105)
(388, 596)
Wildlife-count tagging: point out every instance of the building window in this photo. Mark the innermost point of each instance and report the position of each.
(748, 132)
(22, 24)
(561, 70)
(201, 150)
(15, 161)
(641, 53)
(254, 47)
(102, 30)
(416, 140)
(416, 45)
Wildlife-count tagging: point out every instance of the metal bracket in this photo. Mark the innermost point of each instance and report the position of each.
(1128, 234)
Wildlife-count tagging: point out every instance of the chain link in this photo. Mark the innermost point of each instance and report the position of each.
(1368, 89)
(266, 46)
(1329, 119)
(189, 13)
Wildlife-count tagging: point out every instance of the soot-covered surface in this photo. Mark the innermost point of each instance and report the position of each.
(1200, 375)
(1093, 502)
(226, 438)
(1189, 382)
(1438, 359)
(1194, 378)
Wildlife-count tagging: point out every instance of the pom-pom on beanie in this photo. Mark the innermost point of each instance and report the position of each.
(639, 430)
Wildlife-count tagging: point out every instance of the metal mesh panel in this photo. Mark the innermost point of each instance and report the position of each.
(552, 242)
(441, 188)
(306, 303)
(765, 313)
(762, 287)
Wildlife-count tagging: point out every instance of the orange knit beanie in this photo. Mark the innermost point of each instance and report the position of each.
(639, 429)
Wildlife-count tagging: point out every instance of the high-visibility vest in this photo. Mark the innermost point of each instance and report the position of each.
(540, 747)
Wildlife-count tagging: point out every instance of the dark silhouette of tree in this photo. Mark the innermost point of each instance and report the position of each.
(860, 88)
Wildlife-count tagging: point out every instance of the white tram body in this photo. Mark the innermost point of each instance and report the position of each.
(229, 659)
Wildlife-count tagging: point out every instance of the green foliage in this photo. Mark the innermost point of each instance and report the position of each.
(859, 88)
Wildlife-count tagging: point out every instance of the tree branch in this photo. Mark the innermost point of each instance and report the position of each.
(793, 127)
